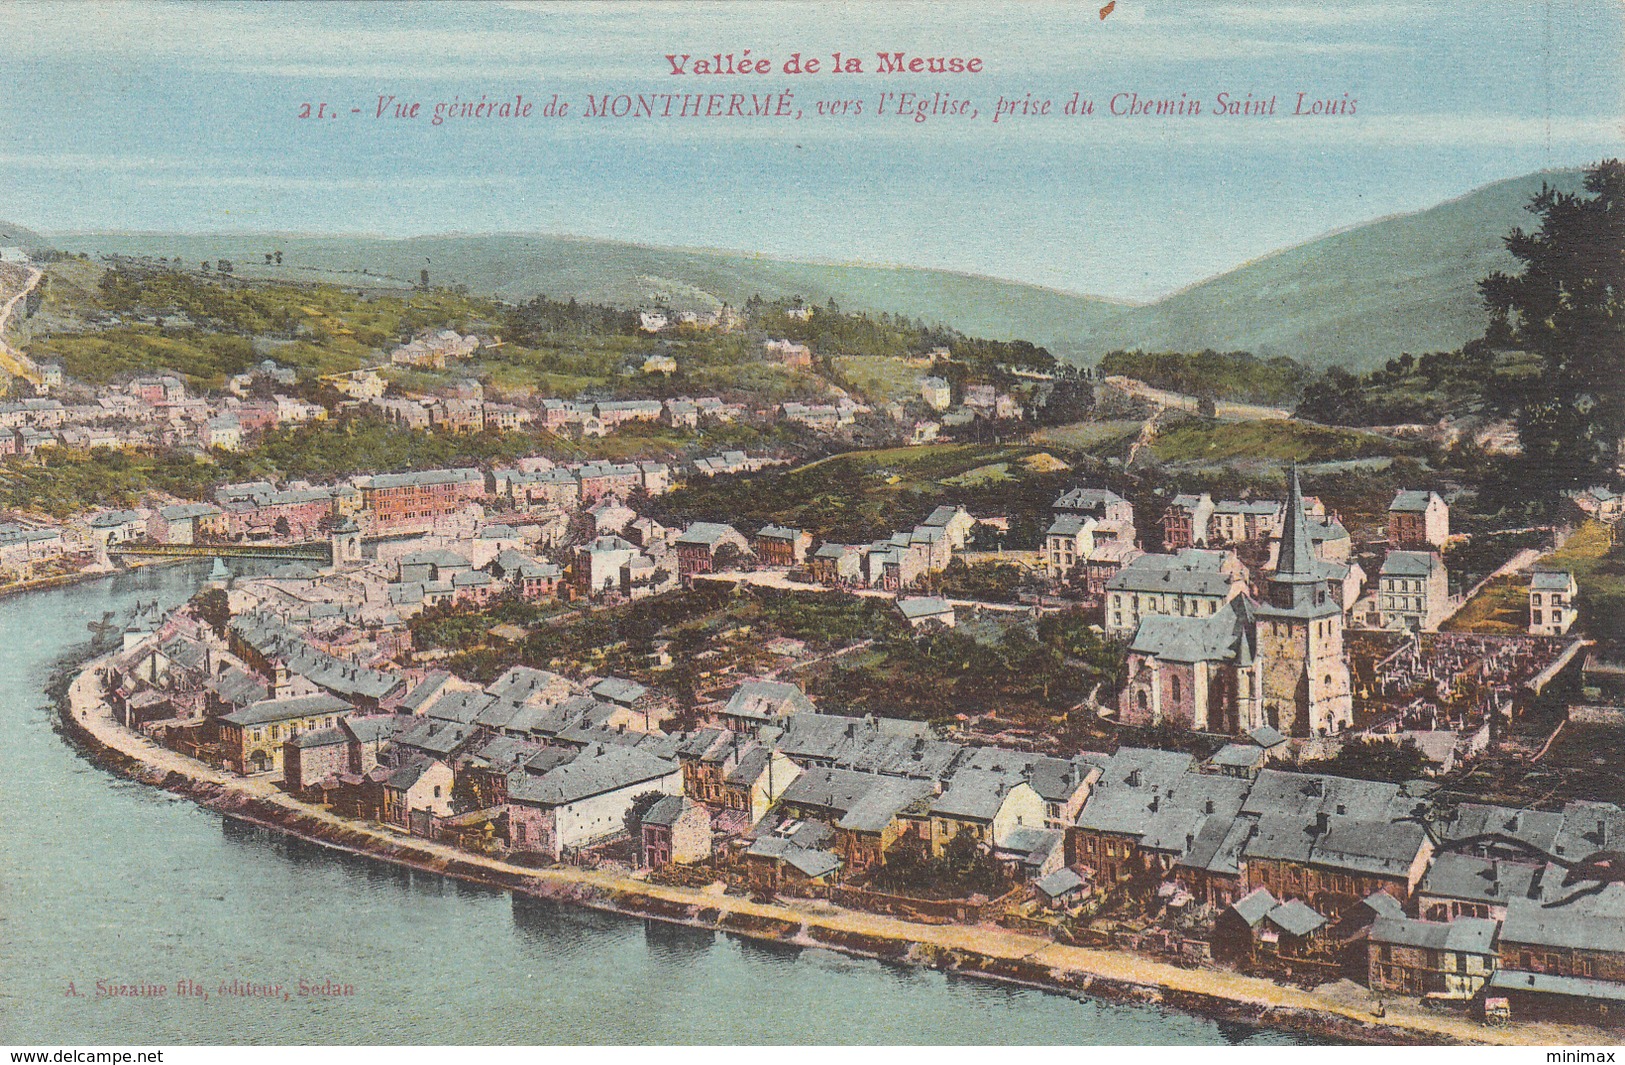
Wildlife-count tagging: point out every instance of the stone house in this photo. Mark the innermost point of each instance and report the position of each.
(252, 739)
(1443, 960)
(674, 830)
(1418, 521)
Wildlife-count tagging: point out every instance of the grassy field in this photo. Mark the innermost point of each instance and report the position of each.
(1206, 440)
(1502, 605)
(1090, 438)
(859, 496)
(880, 379)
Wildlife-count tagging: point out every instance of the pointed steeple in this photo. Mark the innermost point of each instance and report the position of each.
(1297, 556)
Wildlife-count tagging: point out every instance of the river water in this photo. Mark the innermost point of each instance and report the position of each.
(106, 880)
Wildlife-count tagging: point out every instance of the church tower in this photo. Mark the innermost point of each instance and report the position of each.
(1306, 687)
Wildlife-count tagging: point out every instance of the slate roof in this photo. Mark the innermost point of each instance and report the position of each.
(325, 737)
(1061, 882)
(1295, 918)
(1227, 635)
(1218, 845)
(1472, 935)
(802, 848)
(269, 710)
(1567, 919)
(619, 690)
(1033, 846)
(238, 687)
(593, 772)
(1086, 499)
(1535, 828)
(1510, 980)
(882, 802)
(426, 477)
(1237, 756)
(767, 700)
(436, 556)
(923, 606)
(779, 532)
(274, 639)
(665, 811)
(1383, 848)
(372, 727)
(1279, 791)
(974, 795)
(1469, 877)
(1411, 500)
(426, 690)
(1178, 817)
(460, 706)
(1550, 581)
(1410, 564)
(1191, 572)
(1068, 525)
(706, 534)
(434, 737)
(1253, 906)
(834, 790)
(523, 683)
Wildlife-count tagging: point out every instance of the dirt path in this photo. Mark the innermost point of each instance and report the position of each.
(92, 714)
(775, 579)
(13, 361)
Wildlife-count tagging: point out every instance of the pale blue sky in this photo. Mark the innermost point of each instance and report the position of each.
(153, 116)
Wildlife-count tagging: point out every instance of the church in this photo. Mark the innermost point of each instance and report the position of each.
(1279, 662)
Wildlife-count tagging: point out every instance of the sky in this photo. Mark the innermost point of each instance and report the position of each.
(184, 118)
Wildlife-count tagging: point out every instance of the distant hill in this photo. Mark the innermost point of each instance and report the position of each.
(15, 236)
(1354, 298)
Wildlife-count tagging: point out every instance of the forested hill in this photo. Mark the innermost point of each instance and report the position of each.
(1354, 299)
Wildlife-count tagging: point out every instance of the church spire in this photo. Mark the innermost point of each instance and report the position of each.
(1297, 555)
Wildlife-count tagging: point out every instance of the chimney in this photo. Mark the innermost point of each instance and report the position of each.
(1190, 840)
(1322, 823)
(1342, 810)
(1155, 800)
(1602, 832)
(1207, 807)
(1133, 778)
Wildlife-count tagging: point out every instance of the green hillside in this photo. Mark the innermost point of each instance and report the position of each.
(519, 266)
(1355, 298)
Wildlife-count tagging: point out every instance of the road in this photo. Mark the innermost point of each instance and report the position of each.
(1224, 408)
(13, 361)
(780, 580)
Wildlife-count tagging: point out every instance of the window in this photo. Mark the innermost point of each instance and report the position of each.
(1174, 689)
(437, 791)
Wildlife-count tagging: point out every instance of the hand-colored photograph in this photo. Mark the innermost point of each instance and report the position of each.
(804, 522)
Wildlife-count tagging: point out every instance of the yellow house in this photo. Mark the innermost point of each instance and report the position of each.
(987, 805)
(252, 737)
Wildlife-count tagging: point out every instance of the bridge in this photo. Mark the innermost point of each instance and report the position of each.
(308, 552)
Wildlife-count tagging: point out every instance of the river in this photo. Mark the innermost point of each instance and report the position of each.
(107, 880)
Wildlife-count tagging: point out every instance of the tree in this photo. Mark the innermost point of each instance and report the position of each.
(634, 813)
(1567, 308)
(214, 610)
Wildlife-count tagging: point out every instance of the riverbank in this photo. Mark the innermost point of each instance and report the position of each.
(63, 580)
(1341, 1012)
